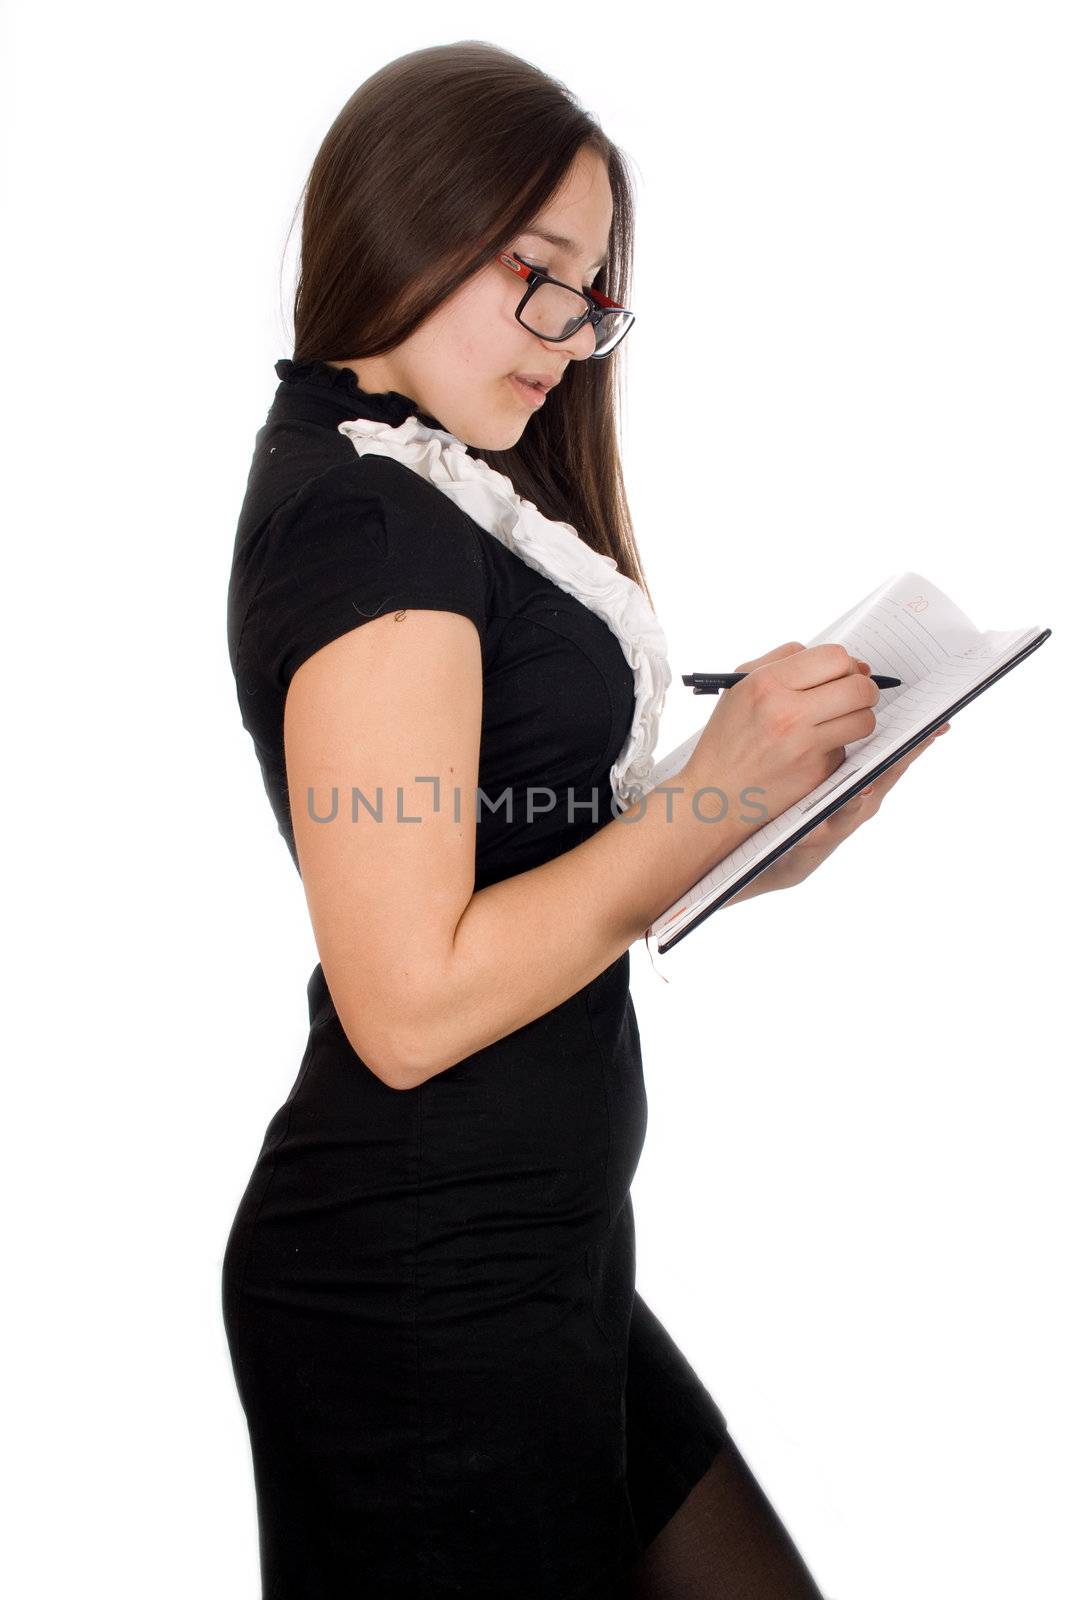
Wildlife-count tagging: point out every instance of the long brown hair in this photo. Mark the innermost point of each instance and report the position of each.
(436, 151)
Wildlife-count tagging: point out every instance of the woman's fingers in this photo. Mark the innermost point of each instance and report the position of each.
(778, 654)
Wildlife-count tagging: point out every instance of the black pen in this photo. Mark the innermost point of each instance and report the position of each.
(712, 682)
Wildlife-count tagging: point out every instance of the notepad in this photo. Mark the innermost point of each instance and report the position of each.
(907, 629)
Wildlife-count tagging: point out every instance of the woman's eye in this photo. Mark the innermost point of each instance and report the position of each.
(537, 267)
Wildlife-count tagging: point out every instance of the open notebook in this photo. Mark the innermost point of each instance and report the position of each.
(906, 629)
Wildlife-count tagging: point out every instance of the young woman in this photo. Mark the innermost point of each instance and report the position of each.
(451, 1386)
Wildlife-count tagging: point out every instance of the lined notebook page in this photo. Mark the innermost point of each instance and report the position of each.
(906, 629)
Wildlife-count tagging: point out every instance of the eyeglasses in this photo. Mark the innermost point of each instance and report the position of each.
(554, 311)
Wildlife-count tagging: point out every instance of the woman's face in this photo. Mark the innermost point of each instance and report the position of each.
(459, 364)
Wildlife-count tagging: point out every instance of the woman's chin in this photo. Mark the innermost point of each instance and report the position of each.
(498, 435)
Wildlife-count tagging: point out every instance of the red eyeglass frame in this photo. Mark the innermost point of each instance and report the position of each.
(598, 303)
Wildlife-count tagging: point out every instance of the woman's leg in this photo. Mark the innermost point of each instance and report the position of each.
(725, 1542)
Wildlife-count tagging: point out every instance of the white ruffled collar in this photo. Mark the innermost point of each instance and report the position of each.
(556, 551)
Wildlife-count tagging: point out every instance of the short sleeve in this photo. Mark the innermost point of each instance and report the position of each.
(363, 539)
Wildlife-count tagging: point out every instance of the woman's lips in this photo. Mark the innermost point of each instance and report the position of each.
(532, 396)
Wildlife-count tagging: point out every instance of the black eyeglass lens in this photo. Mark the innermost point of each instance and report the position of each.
(554, 311)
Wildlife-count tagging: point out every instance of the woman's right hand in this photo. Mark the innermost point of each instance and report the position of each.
(782, 730)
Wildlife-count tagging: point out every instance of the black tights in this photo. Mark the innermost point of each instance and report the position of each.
(725, 1542)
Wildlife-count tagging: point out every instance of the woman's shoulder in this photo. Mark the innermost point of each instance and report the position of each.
(347, 538)
(323, 480)
(370, 511)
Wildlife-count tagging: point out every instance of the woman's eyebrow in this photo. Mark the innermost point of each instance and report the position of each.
(561, 242)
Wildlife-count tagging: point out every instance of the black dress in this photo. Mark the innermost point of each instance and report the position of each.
(451, 1386)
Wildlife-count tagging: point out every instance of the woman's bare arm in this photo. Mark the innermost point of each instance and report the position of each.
(423, 970)
(526, 944)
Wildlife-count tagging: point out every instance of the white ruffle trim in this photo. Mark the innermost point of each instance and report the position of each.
(557, 551)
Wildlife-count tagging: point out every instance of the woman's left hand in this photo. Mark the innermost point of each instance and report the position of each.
(801, 859)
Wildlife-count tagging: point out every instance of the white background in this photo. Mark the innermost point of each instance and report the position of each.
(849, 361)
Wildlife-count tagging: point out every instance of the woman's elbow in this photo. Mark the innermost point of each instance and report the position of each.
(384, 1049)
(399, 1025)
